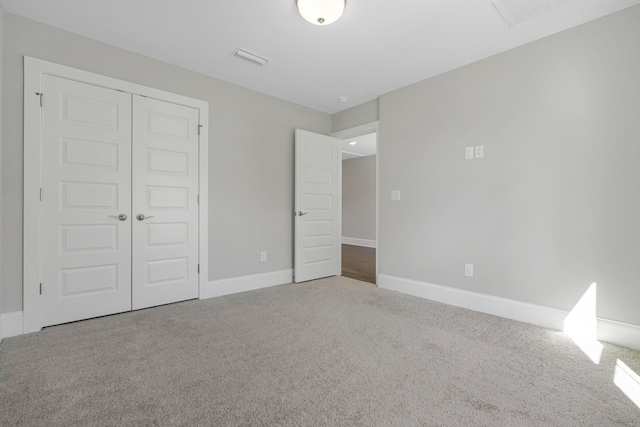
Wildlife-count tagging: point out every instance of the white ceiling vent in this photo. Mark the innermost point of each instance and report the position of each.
(249, 56)
(518, 11)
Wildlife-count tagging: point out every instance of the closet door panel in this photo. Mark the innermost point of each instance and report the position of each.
(86, 185)
(165, 202)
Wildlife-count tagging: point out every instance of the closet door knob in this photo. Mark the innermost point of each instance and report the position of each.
(121, 217)
(141, 217)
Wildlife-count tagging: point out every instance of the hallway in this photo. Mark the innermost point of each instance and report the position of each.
(359, 262)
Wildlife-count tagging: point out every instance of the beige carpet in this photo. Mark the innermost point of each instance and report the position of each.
(334, 352)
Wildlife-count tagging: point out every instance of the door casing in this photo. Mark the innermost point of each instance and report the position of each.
(32, 261)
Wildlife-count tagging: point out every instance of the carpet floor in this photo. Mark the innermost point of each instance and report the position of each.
(332, 352)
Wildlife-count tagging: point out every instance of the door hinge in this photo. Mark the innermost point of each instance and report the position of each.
(198, 268)
(198, 199)
(199, 126)
(40, 193)
(40, 94)
(40, 288)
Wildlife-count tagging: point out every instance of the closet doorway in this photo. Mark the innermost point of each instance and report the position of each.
(119, 215)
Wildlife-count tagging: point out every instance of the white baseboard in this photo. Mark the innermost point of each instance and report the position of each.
(623, 334)
(359, 242)
(217, 288)
(11, 324)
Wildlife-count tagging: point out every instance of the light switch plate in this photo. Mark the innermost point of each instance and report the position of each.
(468, 153)
(395, 194)
(468, 270)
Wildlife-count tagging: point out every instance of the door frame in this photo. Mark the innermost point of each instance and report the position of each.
(32, 249)
(353, 132)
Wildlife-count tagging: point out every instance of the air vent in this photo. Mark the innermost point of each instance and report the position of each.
(518, 11)
(251, 57)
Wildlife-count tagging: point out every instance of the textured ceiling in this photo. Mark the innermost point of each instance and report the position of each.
(376, 47)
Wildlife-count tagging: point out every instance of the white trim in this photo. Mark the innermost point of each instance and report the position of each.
(339, 154)
(623, 334)
(217, 288)
(619, 333)
(31, 212)
(11, 324)
(203, 205)
(357, 131)
(367, 243)
(377, 202)
(33, 70)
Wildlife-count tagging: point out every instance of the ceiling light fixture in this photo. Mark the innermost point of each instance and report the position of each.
(353, 142)
(321, 12)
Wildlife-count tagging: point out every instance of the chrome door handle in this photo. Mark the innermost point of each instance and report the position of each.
(300, 213)
(141, 217)
(121, 217)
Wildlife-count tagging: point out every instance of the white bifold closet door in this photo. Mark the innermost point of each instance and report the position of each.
(119, 202)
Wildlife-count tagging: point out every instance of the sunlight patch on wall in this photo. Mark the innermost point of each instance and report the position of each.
(581, 325)
(627, 381)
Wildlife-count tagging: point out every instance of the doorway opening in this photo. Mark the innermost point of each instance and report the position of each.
(359, 204)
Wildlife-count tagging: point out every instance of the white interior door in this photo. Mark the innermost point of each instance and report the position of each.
(165, 202)
(317, 237)
(86, 185)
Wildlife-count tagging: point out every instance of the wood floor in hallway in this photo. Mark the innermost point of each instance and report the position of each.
(359, 263)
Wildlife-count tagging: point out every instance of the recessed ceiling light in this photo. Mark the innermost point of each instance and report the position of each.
(343, 99)
(353, 142)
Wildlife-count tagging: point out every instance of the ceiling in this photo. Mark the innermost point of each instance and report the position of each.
(365, 145)
(376, 47)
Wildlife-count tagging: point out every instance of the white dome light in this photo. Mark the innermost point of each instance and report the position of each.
(321, 12)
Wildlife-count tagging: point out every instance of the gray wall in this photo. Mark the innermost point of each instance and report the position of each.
(555, 203)
(250, 160)
(356, 116)
(359, 198)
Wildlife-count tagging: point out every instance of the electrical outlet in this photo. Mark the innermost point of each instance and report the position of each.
(468, 270)
(479, 151)
(468, 153)
(263, 256)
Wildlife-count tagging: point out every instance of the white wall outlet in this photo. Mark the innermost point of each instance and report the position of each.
(468, 153)
(395, 194)
(263, 256)
(479, 151)
(468, 270)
